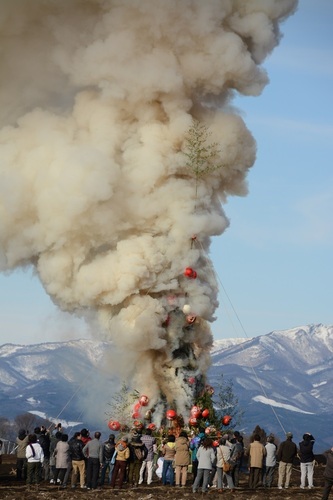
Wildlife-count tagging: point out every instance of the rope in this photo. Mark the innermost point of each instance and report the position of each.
(244, 331)
(70, 399)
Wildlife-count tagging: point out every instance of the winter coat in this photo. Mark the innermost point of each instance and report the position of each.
(270, 455)
(305, 451)
(44, 441)
(62, 455)
(169, 451)
(75, 450)
(93, 449)
(34, 453)
(206, 457)
(328, 472)
(182, 455)
(21, 446)
(137, 447)
(123, 453)
(149, 442)
(287, 452)
(108, 450)
(222, 454)
(256, 453)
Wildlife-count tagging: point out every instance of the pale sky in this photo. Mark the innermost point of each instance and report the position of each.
(274, 263)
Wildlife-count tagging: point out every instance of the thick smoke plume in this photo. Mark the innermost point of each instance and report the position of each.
(97, 100)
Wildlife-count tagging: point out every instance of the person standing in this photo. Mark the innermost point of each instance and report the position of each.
(286, 454)
(122, 455)
(62, 459)
(270, 462)
(306, 457)
(44, 440)
(108, 463)
(223, 454)
(138, 453)
(35, 457)
(93, 451)
(206, 458)
(168, 452)
(328, 474)
(78, 460)
(256, 453)
(22, 441)
(182, 458)
(149, 441)
(237, 453)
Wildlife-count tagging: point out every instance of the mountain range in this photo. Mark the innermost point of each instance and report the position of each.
(283, 381)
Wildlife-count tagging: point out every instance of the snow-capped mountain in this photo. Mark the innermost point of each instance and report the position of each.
(283, 380)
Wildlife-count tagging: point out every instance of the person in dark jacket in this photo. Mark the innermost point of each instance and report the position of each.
(108, 463)
(138, 453)
(78, 460)
(306, 457)
(328, 474)
(286, 454)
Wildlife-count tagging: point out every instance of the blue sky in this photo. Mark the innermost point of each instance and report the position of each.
(274, 262)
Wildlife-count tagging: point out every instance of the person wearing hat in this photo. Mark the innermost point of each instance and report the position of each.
(286, 454)
(328, 474)
(123, 454)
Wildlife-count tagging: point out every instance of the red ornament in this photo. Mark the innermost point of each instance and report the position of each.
(191, 380)
(171, 414)
(137, 407)
(205, 413)
(144, 400)
(114, 425)
(152, 427)
(226, 420)
(138, 424)
(136, 414)
(215, 443)
(190, 273)
(208, 430)
(193, 421)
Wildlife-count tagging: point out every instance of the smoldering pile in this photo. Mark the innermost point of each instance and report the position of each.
(97, 101)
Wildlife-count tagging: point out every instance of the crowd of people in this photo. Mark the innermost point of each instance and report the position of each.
(87, 462)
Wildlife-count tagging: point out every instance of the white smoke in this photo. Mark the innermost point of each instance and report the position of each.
(97, 98)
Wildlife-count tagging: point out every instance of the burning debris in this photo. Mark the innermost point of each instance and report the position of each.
(97, 193)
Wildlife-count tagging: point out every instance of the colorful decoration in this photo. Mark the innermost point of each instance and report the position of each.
(195, 411)
(191, 380)
(171, 414)
(226, 420)
(152, 427)
(136, 414)
(215, 443)
(190, 273)
(138, 424)
(205, 413)
(144, 400)
(193, 421)
(114, 425)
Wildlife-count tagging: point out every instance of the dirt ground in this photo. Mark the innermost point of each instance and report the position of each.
(11, 489)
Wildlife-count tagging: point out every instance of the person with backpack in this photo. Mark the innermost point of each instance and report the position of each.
(35, 457)
(138, 453)
(122, 455)
(109, 448)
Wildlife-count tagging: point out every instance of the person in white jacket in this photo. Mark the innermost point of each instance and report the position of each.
(270, 462)
(35, 458)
